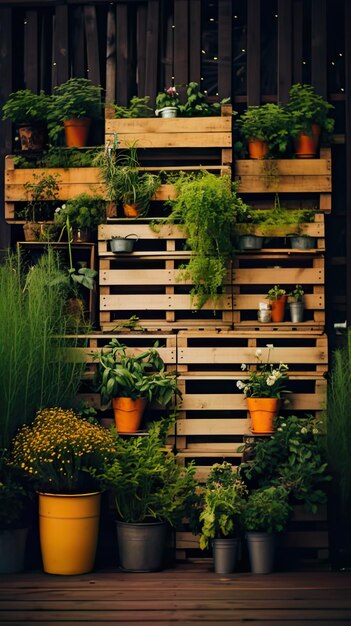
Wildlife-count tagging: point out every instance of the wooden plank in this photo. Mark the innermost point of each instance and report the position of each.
(282, 276)
(91, 34)
(246, 302)
(253, 52)
(121, 54)
(61, 59)
(319, 46)
(31, 78)
(181, 38)
(285, 167)
(287, 184)
(210, 426)
(234, 402)
(185, 140)
(176, 302)
(88, 355)
(77, 42)
(143, 231)
(195, 41)
(171, 126)
(297, 20)
(225, 27)
(232, 355)
(151, 52)
(284, 50)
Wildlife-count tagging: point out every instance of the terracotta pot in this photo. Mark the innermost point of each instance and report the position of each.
(128, 414)
(77, 131)
(262, 414)
(258, 149)
(306, 146)
(278, 309)
(131, 210)
(32, 136)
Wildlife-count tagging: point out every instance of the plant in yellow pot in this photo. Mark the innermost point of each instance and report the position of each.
(58, 452)
(263, 390)
(131, 380)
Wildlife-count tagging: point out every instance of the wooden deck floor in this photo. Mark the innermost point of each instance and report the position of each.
(187, 595)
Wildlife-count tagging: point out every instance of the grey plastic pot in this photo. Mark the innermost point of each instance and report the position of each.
(261, 548)
(225, 555)
(123, 244)
(141, 546)
(12, 547)
(303, 242)
(296, 311)
(250, 242)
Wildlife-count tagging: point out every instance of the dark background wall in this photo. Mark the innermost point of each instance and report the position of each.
(250, 50)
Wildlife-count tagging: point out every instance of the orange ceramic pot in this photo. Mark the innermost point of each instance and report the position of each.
(262, 414)
(257, 148)
(77, 131)
(131, 210)
(128, 414)
(306, 146)
(278, 309)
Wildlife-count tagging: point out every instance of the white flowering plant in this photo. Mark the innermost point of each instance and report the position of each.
(267, 380)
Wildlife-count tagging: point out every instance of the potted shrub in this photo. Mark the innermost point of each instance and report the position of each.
(277, 298)
(167, 102)
(297, 304)
(85, 213)
(125, 182)
(151, 492)
(42, 191)
(205, 208)
(132, 381)
(223, 501)
(265, 129)
(309, 115)
(263, 389)
(266, 513)
(138, 107)
(29, 111)
(58, 452)
(74, 104)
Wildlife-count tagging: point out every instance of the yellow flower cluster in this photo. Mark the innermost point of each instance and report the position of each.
(58, 446)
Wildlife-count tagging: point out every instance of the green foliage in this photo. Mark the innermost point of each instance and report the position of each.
(206, 207)
(84, 211)
(269, 123)
(84, 277)
(339, 423)
(138, 107)
(77, 97)
(58, 156)
(32, 328)
(223, 502)
(124, 181)
(297, 294)
(267, 380)
(59, 451)
(26, 106)
(305, 107)
(146, 480)
(142, 375)
(13, 496)
(267, 510)
(248, 218)
(275, 293)
(42, 191)
(196, 105)
(293, 458)
(167, 98)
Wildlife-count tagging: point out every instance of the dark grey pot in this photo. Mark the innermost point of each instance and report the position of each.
(141, 546)
(123, 244)
(250, 242)
(296, 311)
(225, 555)
(261, 552)
(12, 547)
(303, 242)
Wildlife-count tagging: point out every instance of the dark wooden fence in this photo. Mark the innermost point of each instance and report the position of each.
(250, 50)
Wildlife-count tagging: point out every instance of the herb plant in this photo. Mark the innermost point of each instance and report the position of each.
(26, 106)
(269, 123)
(42, 191)
(275, 293)
(76, 98)
(267, 380)
(305, 107)
(138, 107)
(84, 211)
(297, 294)
(267, 510)
(196, 105)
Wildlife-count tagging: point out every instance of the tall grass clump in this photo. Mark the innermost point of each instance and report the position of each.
(339, 423)
(33, 371)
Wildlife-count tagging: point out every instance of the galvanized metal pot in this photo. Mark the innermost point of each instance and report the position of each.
(261, 548)
(141, 546)
(296, 311)
(250, 242)
(225, 554)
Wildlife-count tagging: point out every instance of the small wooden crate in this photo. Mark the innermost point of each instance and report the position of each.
(145, 282)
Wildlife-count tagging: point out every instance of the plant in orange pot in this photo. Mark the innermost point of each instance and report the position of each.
(278, 298)
(133, 380)
(309, 115)
(265, 129)
(263, 389)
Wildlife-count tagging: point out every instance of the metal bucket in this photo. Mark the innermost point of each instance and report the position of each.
(141, 546)
(250, 242)
(261, 552)
(225, 554)
(303, 242)
(123, 244)
(167, 112)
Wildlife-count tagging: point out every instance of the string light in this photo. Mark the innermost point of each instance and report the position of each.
(215, 58)
(235, 17)
(203, 51)
(332, 63)
(211, 19)
(243, 50)
(303, 62)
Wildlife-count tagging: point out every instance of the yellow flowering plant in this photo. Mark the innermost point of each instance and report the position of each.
(60, 450)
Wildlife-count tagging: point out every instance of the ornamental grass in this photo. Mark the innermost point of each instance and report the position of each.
(59, 451)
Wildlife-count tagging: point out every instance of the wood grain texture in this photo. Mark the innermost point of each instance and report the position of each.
(253, 52)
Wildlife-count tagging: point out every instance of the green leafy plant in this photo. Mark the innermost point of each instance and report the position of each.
(141, 375)
(59, 450)
(26, 106)
(305, 107)
(196, 105)
(293, 457)
(267, 380)
(146, 481)
(269, 123)
(267, 510)
(124, 181)
(275, 293)
(76, 98)
(42, 191)
(223, 502)
(169, 97)
(84, 211)
(297, 294)
(84, 276)
(138, 107)
(248, 219)
(206, 207)
(58, 156)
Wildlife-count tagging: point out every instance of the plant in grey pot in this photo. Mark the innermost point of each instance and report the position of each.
(296, 305)
(151, 493)
(266, 513)
(223, 502)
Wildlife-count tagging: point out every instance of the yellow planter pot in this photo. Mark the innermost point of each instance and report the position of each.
(68, 526)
